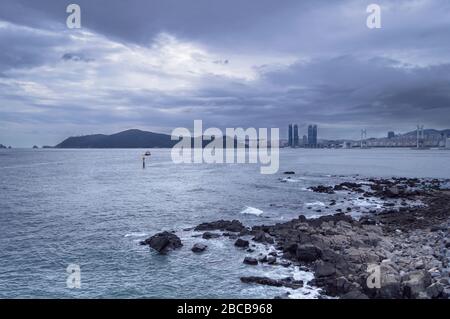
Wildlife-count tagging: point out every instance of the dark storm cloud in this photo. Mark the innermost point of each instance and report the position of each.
(161, 64)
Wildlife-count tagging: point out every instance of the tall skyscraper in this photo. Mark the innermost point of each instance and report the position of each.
(315, 134)
(391, 134)
(290, 135)
(312, 135)
(296, 139)
(305, 140)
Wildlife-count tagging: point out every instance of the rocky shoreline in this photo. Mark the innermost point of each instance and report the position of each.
(400, 251)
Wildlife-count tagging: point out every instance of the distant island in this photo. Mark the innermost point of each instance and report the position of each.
(126, 139)
(130, 139)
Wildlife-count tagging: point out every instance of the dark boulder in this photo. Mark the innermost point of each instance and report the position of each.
(268, 259)
(354, 294)
(308, 253)
(325, 270)
(241, 243)
(250, 261)
(322, 189)
(209, 235)
(262, 237)
(285, 282)
(163, 242)
(198, 248)
(224, 225)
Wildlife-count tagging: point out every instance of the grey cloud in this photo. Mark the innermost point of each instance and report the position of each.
(347, 76)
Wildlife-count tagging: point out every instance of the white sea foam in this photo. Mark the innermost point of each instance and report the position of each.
(290, 180)
(136, 235)
(252, 211)
(317, 203)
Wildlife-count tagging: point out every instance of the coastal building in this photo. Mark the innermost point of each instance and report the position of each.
(296, 138)
(447, 143)
(290, 140)
(304, 140)
(312, 135)
(391, 135)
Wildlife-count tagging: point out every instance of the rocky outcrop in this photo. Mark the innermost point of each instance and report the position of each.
(163, 242)
(285, 282)
(241, 243)
(199, 248)
(250, 261)
(398, 252)
(209, 235)
(224, 225)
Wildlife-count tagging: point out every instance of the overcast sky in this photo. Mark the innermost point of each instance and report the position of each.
(157, 65)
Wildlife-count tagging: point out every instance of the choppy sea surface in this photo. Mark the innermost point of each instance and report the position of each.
(92, 207)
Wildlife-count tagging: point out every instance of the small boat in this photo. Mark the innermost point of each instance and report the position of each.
(148, 153)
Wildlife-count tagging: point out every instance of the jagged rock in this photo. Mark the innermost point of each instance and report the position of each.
(354, 294)
(261, 237)
(343, 286)
(241, 243)
(198, 248)
(435, 290)
(163, 242)
(416, 282)
(224, 225)
(322, 189)
(250, 261)
(308, 253)
(268, 259)
(209, 235)
(325, 270)
(285, 282)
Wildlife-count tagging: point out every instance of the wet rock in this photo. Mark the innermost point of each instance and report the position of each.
(415, 283)
(198, 248)
(209, 235)
(435, 290)
(262, 237)
(268, 259)
(224, 225)
(230, 235)
(163, 242)
(325, 270)
(250, 261)
(308, 253)
(241, 243)
(285, 282)
(355, 294)
(322, 189)
(343, 286)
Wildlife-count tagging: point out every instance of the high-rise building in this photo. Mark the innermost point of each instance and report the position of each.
(391, 134)
(305, 140)
(296, 139)
(312, 135)
(315, 135)
(290, 135)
